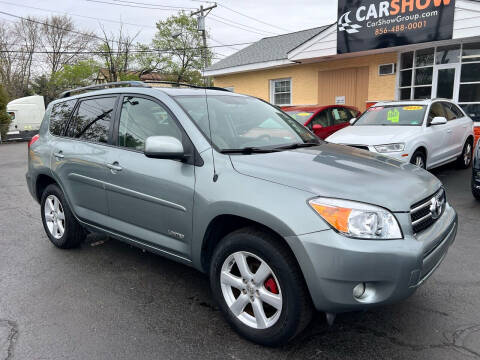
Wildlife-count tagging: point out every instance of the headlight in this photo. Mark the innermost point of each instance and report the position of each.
(357, 220)
(390, 148)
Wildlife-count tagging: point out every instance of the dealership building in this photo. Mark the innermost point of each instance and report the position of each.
(377, 50)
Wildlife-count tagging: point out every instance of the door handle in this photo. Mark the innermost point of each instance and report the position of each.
(59, 154)
(114, 166)
(449, 131)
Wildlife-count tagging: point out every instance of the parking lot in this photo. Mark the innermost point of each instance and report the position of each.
(108, 300)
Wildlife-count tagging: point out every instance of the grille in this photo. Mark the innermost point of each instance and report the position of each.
(425, 213)
(363, 147)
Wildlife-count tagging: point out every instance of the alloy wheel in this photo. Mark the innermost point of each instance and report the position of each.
(54, 216)
(467, 154)
(251, 290)
(419, 162)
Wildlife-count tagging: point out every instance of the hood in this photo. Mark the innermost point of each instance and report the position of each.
(373, 135)
(342, 172)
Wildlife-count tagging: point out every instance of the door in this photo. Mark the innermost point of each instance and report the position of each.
(149, 199)
(437, 136)
(351, 83)
(79, 157)
(458, 124)
(444, 79)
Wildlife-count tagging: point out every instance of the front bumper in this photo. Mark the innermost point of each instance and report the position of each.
(333, 264)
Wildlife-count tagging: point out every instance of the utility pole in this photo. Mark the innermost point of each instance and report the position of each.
(202, 14)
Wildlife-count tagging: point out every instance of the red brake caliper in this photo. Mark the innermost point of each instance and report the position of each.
(271, 285)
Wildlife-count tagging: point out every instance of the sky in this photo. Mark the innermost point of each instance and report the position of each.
(262, 18)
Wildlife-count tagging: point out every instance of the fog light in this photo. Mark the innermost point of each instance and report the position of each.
(359, 290)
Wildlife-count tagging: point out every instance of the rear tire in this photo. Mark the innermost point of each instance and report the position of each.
(465, 160)
(475, 191)
(61, 227)
(284, 287)
(418, 158)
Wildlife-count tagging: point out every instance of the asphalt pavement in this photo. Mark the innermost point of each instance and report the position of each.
(108, 300)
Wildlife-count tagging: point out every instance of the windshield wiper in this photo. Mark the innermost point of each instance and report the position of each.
(248, 150)
(296, 146)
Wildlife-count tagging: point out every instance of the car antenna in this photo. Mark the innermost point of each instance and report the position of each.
(215, 175)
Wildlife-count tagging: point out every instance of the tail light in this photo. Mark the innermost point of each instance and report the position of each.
(32, 141)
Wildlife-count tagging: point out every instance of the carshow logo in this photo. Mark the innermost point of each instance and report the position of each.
(373, 24)
(345, 24)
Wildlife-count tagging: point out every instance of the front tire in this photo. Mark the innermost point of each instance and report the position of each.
(259, 287)
(61, 227)
(419, 159)
(465, 160)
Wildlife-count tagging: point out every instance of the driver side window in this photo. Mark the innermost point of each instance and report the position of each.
(141, 118)
(436, 110)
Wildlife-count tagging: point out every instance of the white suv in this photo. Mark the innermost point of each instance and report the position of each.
(427, 133)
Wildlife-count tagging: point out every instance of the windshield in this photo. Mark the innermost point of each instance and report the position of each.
(402, 115)
(300, 116)
(239, 122)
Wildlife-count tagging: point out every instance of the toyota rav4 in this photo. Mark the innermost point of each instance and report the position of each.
(282, 222)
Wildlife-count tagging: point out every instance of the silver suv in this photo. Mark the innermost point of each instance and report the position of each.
(282, 222)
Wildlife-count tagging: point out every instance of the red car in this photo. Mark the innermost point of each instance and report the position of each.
(323, 120)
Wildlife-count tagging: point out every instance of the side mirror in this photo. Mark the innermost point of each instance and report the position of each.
(317, 127)
(164, 147)
(352, 120)
(438, 120)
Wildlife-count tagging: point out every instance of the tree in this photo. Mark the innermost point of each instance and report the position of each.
(179, 50)
(68, 77)
(5, 119)
(27, 32)
(63, 43)
(17, 45)
(116, 53)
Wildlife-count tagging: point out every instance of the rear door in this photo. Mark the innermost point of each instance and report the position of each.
(150, 199)
(459, 125)
(79, 157)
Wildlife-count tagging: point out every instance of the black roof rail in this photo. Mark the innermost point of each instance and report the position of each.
(102, 86)
(176, 84)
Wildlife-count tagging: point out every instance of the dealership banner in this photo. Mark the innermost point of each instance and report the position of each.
(375, 24)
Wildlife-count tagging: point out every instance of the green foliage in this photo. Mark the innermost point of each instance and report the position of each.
(70, 76)
(5, 120)
(129, 77)
(183, 61)
(79, 74)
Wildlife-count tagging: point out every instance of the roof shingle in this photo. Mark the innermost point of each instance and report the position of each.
(268, 49)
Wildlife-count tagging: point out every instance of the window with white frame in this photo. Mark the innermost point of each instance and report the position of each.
(417, 69)
(281, 91)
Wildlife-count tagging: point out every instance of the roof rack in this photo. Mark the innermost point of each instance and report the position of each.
(176, 84)
(143, 84)
(102, 86)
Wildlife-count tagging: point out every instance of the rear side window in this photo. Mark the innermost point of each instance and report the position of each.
(449, 114)
(455, 110)
(59, 116)
(91, 121)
